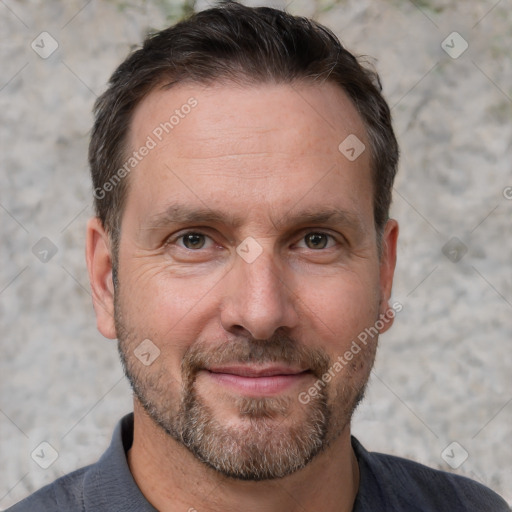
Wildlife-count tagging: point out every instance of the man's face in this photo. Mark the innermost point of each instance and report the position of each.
(231, 263)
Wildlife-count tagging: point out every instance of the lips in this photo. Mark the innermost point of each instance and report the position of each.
(257, 380)
(253, 371)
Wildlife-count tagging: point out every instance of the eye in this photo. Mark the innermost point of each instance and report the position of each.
(193, 240)
(318, 240)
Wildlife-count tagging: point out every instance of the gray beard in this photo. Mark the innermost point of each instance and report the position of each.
(260, 449)
(264, 446)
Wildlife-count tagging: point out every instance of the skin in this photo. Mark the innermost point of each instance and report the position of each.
(260, 153)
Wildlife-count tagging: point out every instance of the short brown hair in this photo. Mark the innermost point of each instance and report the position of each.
(233, 42)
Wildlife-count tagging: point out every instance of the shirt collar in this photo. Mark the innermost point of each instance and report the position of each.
(109, 485)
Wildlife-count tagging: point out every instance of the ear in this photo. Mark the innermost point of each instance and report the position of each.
(99, 264)
(387, 269)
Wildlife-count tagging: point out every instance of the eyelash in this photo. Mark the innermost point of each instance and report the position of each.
(174, 239)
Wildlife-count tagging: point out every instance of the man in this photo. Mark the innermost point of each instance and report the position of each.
(243, 163)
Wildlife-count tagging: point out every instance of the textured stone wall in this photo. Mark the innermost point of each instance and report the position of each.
(443, 373)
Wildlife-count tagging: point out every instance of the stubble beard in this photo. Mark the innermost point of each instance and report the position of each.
(274, 436)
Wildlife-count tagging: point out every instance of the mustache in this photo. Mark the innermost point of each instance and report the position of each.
(280, 348)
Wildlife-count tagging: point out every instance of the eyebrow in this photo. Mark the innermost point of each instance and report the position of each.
(187, 214)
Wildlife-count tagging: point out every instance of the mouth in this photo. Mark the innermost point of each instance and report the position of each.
(257, 380)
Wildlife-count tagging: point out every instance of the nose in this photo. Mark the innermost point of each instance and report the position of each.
(258, 298)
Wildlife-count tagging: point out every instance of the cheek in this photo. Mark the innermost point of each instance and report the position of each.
(345, 313)
(340, 309)
(169, 311)
(155, 297)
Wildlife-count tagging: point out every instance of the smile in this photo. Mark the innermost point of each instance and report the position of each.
(258, 381)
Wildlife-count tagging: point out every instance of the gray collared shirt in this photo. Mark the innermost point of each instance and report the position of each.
(105, 486)
(387, 484)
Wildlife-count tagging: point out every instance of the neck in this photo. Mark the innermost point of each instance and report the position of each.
(172, 479)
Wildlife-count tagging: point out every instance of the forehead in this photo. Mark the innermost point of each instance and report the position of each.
(264, 144)
(312, 109)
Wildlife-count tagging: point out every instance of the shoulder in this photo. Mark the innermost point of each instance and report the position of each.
(106, 485)
(66, 493)
(443, 489)
(403, 484)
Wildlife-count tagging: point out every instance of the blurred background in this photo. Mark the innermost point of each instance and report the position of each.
(441, 390)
